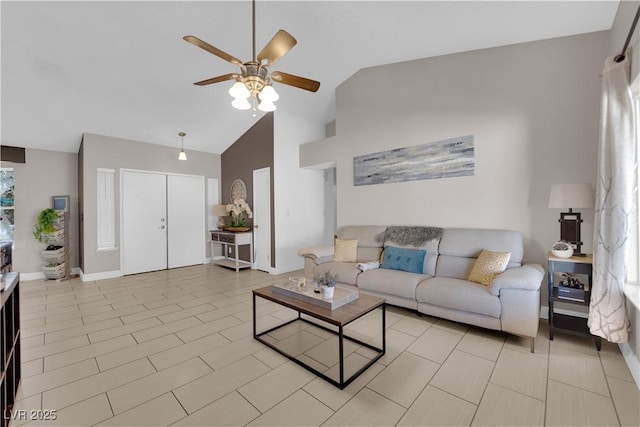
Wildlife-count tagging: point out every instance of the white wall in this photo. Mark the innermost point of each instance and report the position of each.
(108, 152)
(298, 193)
(45, 174)
(533, 109)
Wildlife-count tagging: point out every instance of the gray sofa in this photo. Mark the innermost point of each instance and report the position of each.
(510, 304)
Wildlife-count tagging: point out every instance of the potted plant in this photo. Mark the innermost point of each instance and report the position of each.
(326, 282)
(562, 249)
(239, 211)
(45, 224)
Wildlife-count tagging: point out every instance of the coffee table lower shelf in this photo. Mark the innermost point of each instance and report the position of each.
(342, 382)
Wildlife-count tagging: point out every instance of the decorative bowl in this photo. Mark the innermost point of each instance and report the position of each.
(562, 250)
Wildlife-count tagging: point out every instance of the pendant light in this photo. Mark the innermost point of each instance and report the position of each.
(182, 155)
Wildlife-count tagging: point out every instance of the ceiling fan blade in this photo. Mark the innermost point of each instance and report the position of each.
(277, 47)
(218, 79)
(217, 52)
(296, 81)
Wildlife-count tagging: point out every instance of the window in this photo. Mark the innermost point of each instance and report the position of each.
(632, 287)
(7, 188)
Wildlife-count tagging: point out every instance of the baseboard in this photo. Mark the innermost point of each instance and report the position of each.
(632, 362)
(25, 277)
(99, 276)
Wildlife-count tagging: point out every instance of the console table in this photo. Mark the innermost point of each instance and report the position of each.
(9, 344)
(227, 239)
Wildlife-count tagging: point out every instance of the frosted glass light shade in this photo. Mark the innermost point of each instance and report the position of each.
(268, 94)
(267, 106)
(182, 155)
(565, 196)
(239, 90)
(241, 104)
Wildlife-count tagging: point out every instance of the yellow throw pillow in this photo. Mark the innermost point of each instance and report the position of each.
(345, 250)
(488, 265)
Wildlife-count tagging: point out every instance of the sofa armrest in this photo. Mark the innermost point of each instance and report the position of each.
(526, 277)
(317, 253)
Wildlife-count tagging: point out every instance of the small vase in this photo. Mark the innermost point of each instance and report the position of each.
(327, 292)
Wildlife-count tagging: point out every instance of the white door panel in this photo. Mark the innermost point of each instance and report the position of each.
(262, 218)
(186, 222)
(144, 222)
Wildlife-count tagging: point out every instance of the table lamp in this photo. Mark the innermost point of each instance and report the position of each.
(220, 211)
(570, 196)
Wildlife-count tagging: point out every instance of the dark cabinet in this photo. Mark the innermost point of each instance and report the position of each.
(9, 344)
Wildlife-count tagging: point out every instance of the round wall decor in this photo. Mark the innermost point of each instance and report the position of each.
(238, 190)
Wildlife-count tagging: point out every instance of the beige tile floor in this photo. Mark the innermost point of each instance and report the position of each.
(175, 348)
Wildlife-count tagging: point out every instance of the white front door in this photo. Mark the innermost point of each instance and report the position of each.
(144, 221)
(262, 218)
(185, 220)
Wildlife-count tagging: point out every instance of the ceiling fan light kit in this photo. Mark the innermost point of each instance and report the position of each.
(254, 80)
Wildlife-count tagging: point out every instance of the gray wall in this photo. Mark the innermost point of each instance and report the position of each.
(533, 109)
(107, 152)
(45, 174)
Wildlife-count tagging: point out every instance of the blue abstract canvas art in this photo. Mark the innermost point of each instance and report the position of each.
(440, 159)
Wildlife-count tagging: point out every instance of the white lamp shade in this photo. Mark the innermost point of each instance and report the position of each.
(220, 210)
(268, 94)
(571, 196)
(241, 104)
(239, 90)
(182, 155)
(267, 106)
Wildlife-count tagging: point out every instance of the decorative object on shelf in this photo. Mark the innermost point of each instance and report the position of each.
(562, 249)
(253, 81)
(239, 211)
(570, 281)
(297, 283)
(326, 281)
(45, 224)
(220, 211)
(238, 190)
(570, 196)
(182, 155)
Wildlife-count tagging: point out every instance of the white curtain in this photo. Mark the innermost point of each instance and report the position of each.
(614, 204)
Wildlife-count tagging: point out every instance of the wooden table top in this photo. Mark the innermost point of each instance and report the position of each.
(340, 316)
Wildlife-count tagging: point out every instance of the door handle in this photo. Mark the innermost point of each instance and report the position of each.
(162, 227)
(255, 226)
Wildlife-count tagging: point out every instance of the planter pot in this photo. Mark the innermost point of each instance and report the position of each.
(238, 229)
(327, 292)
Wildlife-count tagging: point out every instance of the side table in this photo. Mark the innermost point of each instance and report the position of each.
(564, 322)
(227, 239)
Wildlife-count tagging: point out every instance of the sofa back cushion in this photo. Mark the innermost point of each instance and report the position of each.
(459, 248)
(412, 237)
(369, 248)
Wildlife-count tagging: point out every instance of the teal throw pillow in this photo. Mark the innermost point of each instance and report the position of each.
(410, 260)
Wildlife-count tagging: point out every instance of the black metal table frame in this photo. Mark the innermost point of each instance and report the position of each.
(341, 337)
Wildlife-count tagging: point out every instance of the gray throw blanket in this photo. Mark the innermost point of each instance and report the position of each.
(405, 235)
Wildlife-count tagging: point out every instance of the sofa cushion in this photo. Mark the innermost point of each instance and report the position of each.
(369, 248)
(459, 247)
(400, 283)
(412, 237)
(488, 265)
(458, 294)
(345, 250)
(346, 271)
(410, 260)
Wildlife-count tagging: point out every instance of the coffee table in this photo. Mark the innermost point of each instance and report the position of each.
(339, 317)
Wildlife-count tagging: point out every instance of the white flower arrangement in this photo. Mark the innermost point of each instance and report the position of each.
(237, 209)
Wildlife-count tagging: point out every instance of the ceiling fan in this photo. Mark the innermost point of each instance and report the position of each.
(253, 81)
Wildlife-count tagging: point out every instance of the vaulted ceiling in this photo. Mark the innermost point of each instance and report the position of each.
(121, 68)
